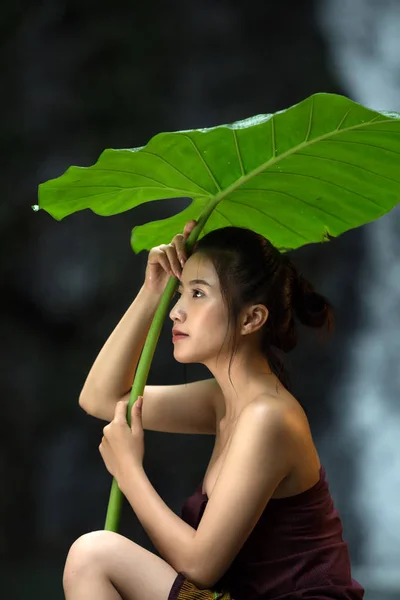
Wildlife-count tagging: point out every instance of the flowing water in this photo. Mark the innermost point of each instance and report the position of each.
(364, 42)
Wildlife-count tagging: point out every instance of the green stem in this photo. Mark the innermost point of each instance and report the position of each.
(146, 357)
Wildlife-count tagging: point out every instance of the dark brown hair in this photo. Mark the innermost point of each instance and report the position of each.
(253, 271)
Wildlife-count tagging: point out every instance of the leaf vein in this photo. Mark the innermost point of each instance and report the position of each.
(380, 131)
(313, 206)
(310, 119)
(375, 119)
(128, 187)
(344, 118)
(102, 169)
(344, 162)
(362, 144)
(273, 134)
(176, 169)
(72, 200)
(224, 216)
(265, 166)
(238, 151)
(324, 181)
(204, 162)
(264, 213)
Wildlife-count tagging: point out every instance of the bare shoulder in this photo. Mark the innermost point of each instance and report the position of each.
(284, 416)
(282, 405)
(280, 420)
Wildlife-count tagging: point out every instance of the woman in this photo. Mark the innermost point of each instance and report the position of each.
(262, 524)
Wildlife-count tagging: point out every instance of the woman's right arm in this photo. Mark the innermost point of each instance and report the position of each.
(113, 371)
(112, 374)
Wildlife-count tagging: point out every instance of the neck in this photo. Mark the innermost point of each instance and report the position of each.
(249, 376)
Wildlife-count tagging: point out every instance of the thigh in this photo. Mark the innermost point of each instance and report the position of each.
(136, 573)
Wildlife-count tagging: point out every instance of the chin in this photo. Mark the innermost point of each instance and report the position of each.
(185, 357)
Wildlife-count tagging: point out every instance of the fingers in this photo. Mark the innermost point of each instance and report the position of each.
(172, 257)
(120, 411)
(166, 257)
(179, 242)
(163, 258)
(175, 258)
(188, 227)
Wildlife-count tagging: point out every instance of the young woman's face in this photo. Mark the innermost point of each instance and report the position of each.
(200, 313)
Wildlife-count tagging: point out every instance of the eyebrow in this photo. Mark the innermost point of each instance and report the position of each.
(203, 281)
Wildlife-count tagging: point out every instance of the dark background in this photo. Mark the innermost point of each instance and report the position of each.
(79, 77)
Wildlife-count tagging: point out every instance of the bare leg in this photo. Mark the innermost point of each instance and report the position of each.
(90, 584)
(103, 565)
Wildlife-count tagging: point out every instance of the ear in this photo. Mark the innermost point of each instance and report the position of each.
(254, 318)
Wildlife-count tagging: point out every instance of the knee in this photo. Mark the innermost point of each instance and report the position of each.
(87, 552)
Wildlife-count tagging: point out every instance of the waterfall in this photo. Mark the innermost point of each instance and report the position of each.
(363, 37)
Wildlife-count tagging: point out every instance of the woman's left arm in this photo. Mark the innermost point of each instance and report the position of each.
(172, 536)
(122, 449)
(261, 454)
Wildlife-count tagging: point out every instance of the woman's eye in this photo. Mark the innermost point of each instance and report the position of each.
(193, 292)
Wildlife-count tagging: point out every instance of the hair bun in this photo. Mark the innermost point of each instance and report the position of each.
(311, 308)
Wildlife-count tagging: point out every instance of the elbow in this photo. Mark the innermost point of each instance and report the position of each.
(195, 580)
(198, 569)
(83, 402)
(198, 578)
(86, 396)
(88, 408)
(96, 409)
(83, 405)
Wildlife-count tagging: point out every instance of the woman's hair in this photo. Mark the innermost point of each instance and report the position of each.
(253, 271)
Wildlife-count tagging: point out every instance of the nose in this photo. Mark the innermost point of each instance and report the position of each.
(176, 313)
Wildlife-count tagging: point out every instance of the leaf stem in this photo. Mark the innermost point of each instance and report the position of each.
(116, 497)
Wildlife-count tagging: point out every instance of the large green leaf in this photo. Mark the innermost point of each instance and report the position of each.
(317, 169)
(312, 171)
